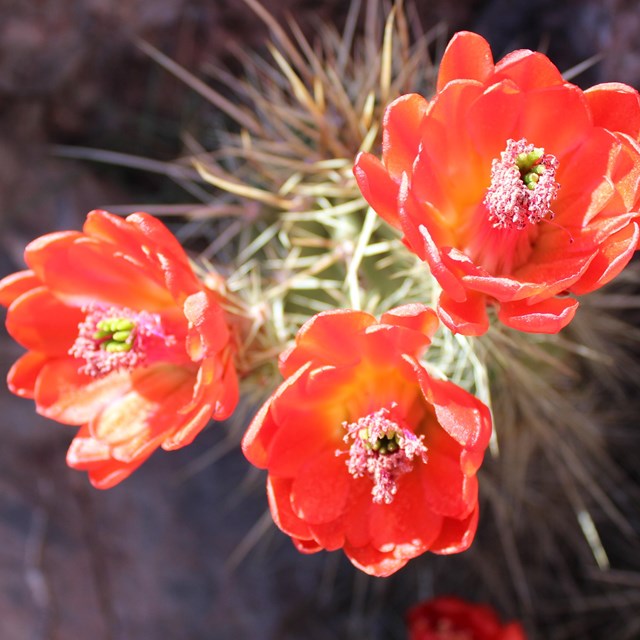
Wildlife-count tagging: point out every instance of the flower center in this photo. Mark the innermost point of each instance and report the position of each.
(523, 186)
(116, 338)
(383, 450)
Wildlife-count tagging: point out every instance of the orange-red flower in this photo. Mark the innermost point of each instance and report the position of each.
(515, 186)
(450, 618)
(122, 339)
(365, 450)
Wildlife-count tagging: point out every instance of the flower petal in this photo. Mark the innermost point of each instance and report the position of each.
(320, 490)
(556, 118)
(415, 316)
(431, 189)
(306, 546)
(403, 526)
(451, 146)
(209, 321)
(447, 490)
(227, 391)
(41, 322)
(106, 275)
(325, 338)
(116, 231)
(357, 529)
(512, 631)
(468, 317)
(471, 619)
(467, 56)
(586, 186)
(465, 418)
(374, 562)
(88, 454)
(388, 339)
(448, 279)
(329, 535)
(185, 435)
(14, 285)
(529, 70)
(303, 431)
(64, 394)
(456, 535)
(547, 316)
(612, 257)
(142, 418)
(279, 495)
(402, 119)
(159, 238)
(377, 187)
(257, 440)
(149, 242)
(542, 278)
(616, 107)
(492, 120)
(23, 375)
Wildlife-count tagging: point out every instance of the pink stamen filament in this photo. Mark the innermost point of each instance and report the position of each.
(382, 450)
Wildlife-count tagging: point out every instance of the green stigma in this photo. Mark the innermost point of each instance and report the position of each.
(528, 164)
(526, 160)
(115, 334)
(388, 443)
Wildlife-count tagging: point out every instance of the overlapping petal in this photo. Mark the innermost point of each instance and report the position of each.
(589, 229)
(328, 486)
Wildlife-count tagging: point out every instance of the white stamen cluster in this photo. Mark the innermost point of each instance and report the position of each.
(523, 186)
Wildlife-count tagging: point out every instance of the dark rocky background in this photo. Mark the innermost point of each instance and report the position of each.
(161, 556)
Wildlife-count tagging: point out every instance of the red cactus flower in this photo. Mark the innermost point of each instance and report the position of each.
(449, 618)
(365, 450)
(122, 339)
(515, 186)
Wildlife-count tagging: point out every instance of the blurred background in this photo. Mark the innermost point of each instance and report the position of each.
(171, 554)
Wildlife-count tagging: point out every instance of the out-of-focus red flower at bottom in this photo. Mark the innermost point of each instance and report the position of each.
(450, 618)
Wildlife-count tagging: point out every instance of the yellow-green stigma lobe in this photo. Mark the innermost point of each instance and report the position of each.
(115, 334)
(388, 443)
